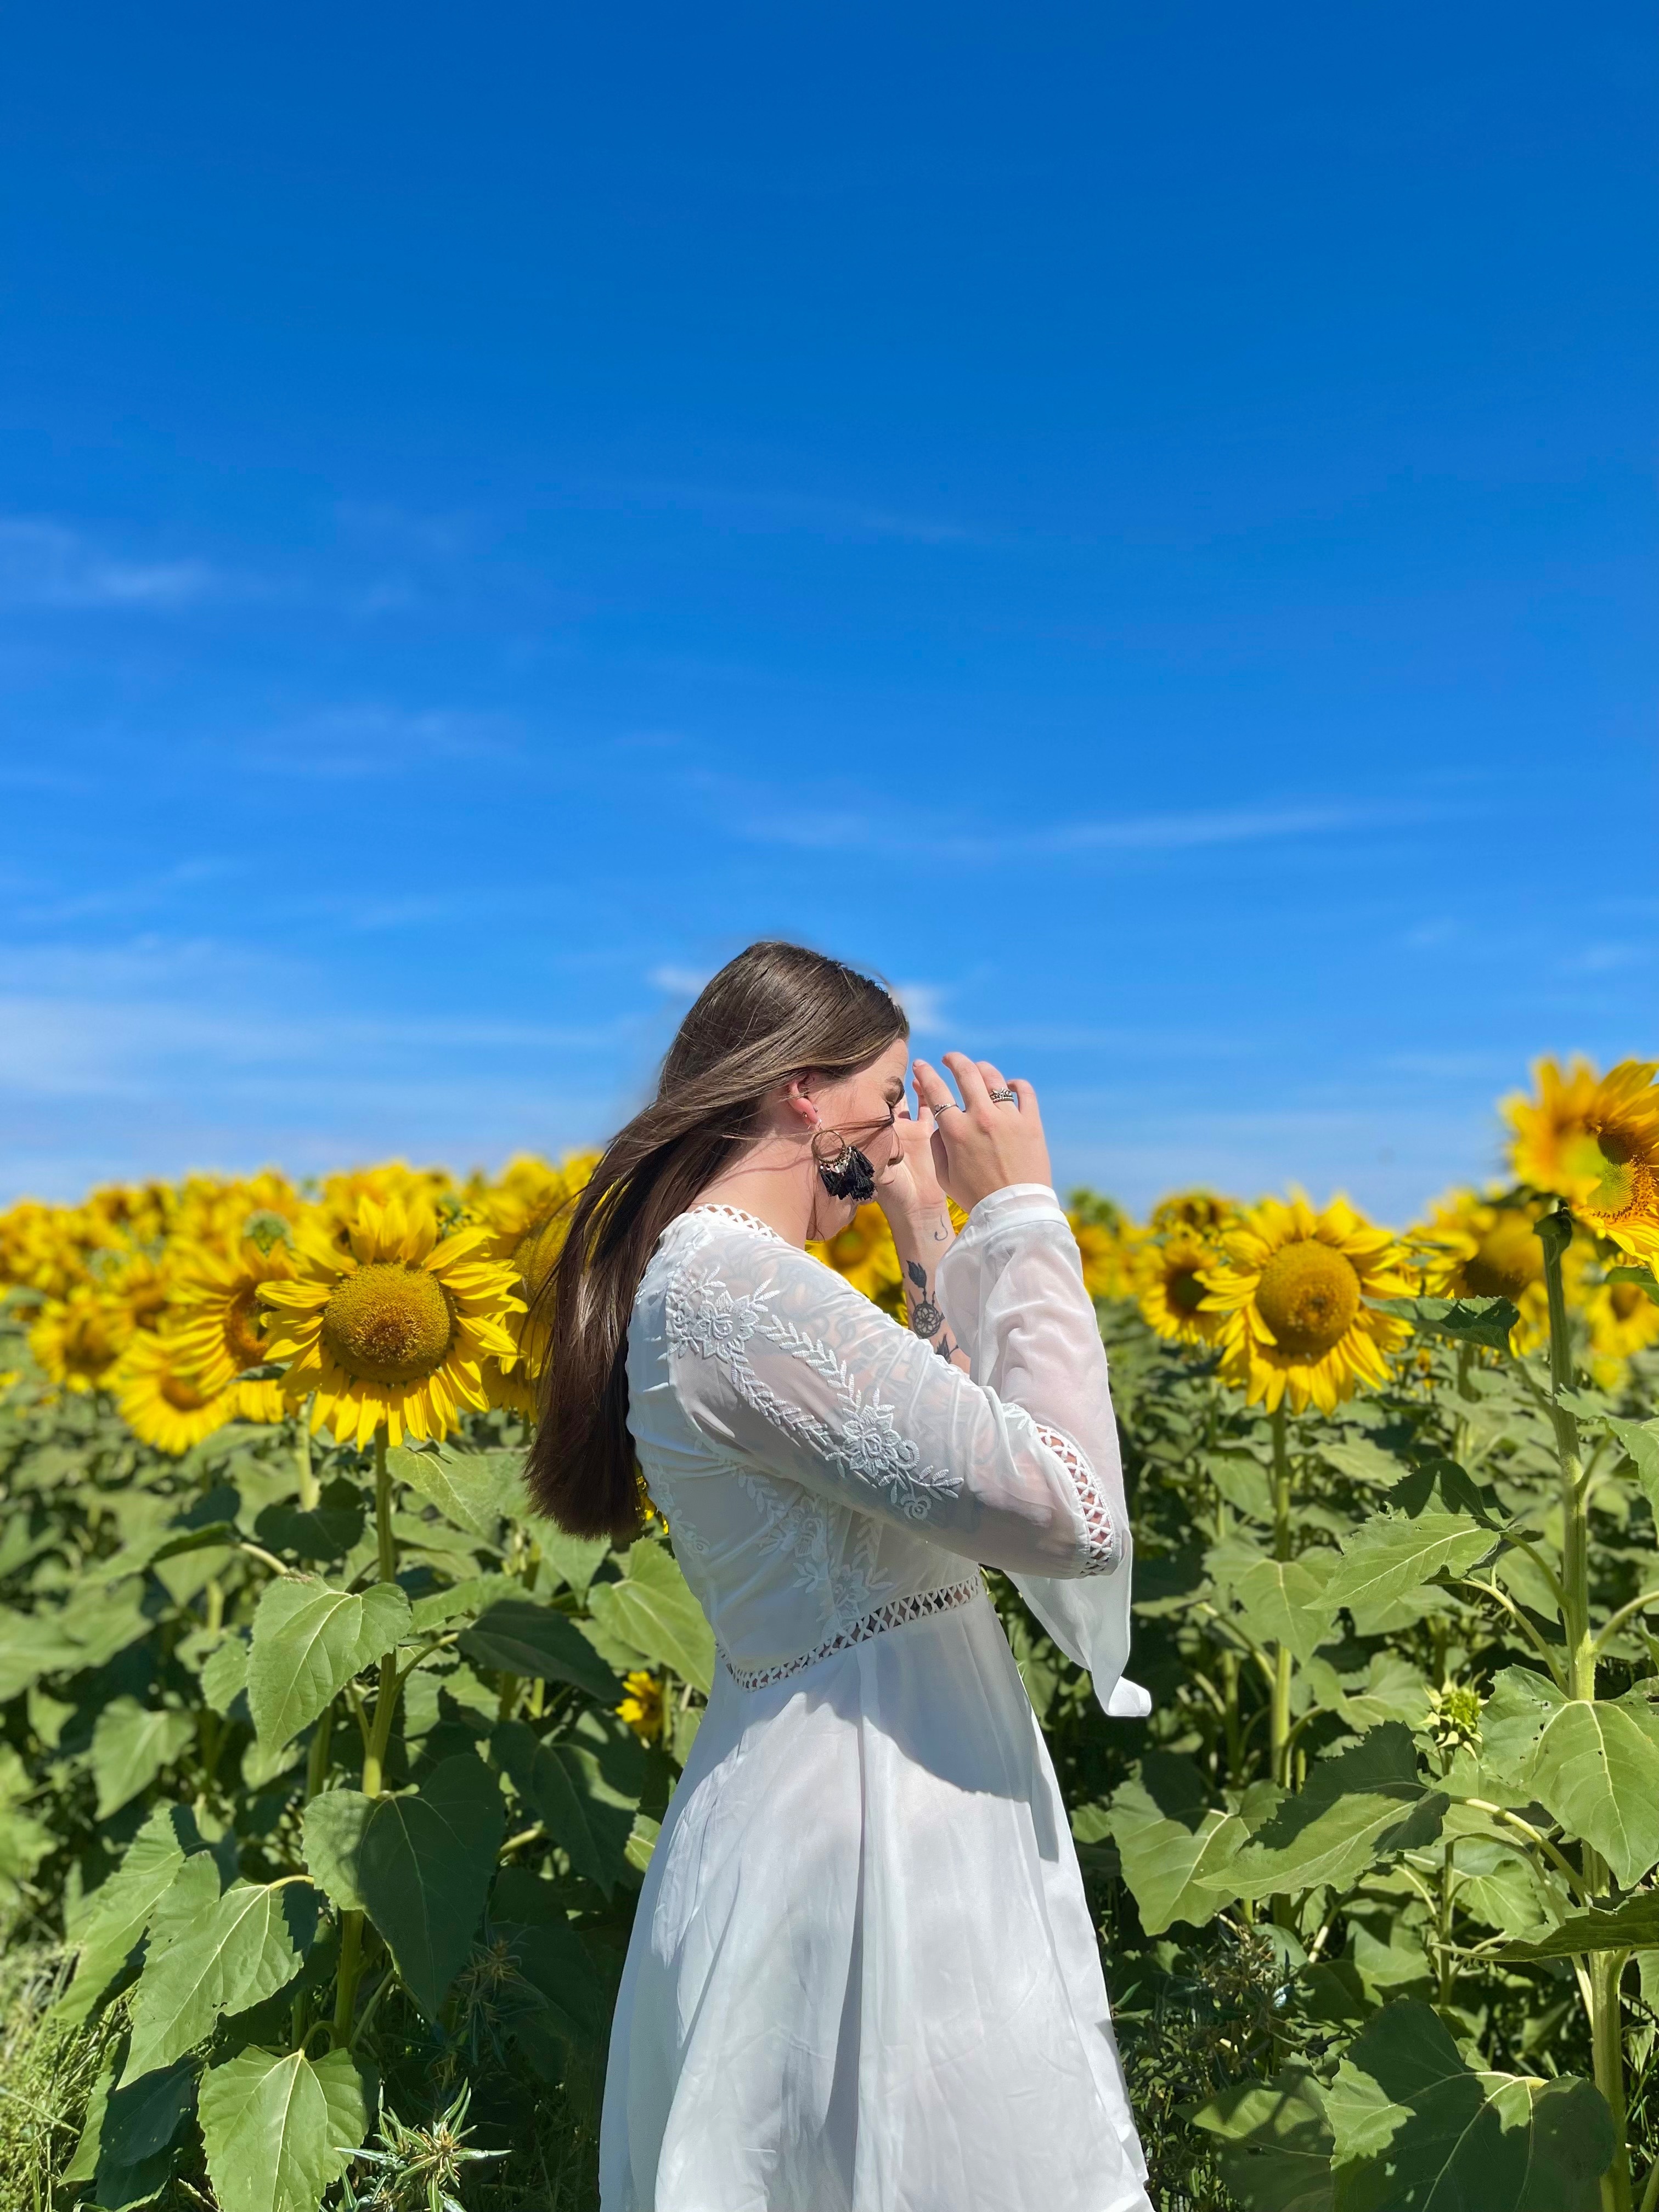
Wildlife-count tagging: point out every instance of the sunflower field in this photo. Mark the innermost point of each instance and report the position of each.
(329, 1772)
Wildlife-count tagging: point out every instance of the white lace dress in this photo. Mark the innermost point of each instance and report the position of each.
(863, 1976)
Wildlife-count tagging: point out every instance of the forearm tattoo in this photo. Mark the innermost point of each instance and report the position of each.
(927, 1317)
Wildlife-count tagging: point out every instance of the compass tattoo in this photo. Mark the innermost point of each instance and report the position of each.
(925, 1318)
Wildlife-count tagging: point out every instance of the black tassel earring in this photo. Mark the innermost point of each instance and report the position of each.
(845, 1172)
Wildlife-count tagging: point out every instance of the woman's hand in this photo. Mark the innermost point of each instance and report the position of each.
(984, 1144)
(907, 1189)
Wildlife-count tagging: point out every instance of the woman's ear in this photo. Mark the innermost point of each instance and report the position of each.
(797, 1105)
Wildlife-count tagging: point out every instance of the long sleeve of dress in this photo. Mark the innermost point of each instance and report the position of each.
(788, 1370)
(1012, 1292)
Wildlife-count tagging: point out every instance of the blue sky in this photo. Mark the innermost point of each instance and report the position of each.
(1139, 524)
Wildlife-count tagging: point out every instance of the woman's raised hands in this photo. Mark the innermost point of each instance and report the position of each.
(985, 1142)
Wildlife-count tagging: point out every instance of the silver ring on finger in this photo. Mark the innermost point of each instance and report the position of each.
(1003, 1098)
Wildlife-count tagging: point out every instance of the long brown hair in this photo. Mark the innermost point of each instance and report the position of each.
(775, 1011)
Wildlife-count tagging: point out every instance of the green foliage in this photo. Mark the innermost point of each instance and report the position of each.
(278, 2127)
(1414, 2122)
(313, 1787)
(421, 1862)
(308, 1642)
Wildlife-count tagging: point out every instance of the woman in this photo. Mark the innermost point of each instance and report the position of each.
(863, 1976)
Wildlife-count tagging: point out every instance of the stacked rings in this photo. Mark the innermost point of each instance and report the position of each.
(1005, 1097)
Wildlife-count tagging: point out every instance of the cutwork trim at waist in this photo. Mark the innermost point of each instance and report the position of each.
(921, 1605)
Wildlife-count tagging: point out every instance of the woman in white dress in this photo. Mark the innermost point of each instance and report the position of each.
(863, 1976)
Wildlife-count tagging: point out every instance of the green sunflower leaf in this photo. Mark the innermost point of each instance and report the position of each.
(1415, 2124)
(585, 1787)
(476, 1491)
(1274, 2146)
(279, 2129)
(1355, 1807)
(129, 1748)
(309, 1642)
(1175, 1857)
(1593, 1765)
(516, 1636)
(136, 2128)
(652, 1609)
(121, 1910)
(1389, 1558)
(421, 1866)
(1631, 1926)
(203, 1965)
(1470, 1321)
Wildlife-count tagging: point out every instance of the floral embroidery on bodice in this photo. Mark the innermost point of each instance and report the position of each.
(821, 1469)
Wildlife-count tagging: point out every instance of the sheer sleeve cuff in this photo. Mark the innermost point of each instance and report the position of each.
(1013, 1206)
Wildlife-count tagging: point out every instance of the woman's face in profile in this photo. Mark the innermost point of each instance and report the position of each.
(861, 1106)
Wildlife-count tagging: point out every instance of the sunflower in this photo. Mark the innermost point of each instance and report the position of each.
(527, 1213)
(1106, 1241)
(342, 1193)
(511, 1388)
(1172, 1289)
(392, 1332)
(863, 1255)
(123, 1213)
(45, 1247)
(1290, 1288)
(1486, 1247)
(160, 1401)
(1200, 1211)
(1594, 1142)
(211, 1211)
(75, 1341)
(1623, 1320)
(642, 1707)
(135, 1286)
(220, 1325)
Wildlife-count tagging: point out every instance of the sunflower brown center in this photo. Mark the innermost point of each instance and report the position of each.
(1184, 1291)
(1307, 1296)
(1507, 1260)
(388, 1323)
(245, 1328)
(1625, 1186)
(183, 1397)
(86, 1348)
(1626, 1300)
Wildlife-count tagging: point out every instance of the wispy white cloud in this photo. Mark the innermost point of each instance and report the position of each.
(925, 1005)
(430, 537)
(46, 564)
(678, 982)
(1604, 959)
(739, 507)
(815, 831)
(372, 738)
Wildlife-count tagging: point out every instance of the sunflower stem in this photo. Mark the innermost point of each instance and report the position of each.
(352, 1965)
(1280, 1726)
(388, 1542)
(1606, 1968)
(375, 1750)
(310, 1488)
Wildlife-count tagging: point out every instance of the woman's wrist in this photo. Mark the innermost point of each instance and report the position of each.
(922, 1232)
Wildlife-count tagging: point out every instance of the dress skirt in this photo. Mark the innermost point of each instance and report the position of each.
(863, 1976)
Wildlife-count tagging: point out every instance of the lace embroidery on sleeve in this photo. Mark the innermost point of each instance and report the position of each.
(1104, 1547)
(704, 1317)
